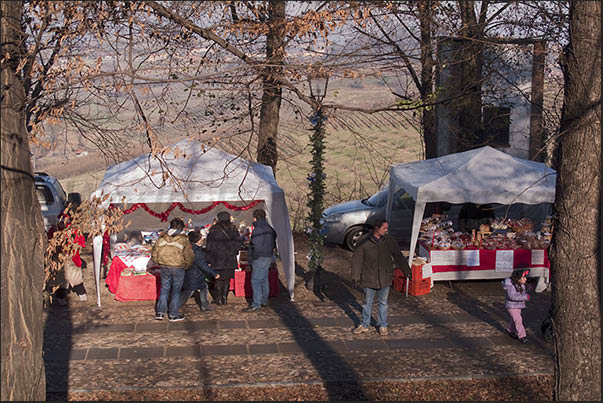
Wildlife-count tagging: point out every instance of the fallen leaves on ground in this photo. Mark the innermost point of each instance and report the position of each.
(526, 388)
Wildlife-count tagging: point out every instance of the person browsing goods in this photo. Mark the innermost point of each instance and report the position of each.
(174, 254)
(261, 250)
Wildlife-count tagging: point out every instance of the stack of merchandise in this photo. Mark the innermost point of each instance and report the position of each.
(438, 234)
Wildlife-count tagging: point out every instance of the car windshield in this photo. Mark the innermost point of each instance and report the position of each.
(44, 195)
(377, 200)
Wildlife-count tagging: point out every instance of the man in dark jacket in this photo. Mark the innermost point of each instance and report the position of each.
(222, 247)
(261, 251)
(372, 268)
(194, 278)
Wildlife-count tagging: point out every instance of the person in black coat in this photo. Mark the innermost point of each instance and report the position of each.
(194, 278)
(222, 247)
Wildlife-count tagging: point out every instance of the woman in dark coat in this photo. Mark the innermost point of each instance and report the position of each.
(221, 248)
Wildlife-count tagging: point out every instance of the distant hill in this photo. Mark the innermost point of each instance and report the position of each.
(360, 148)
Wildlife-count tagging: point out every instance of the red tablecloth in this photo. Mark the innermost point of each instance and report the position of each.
(114, 275)
(131, 288)
(522, 258)
(242, 283)
(138, 288)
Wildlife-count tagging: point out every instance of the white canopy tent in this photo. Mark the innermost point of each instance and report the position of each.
(483, 175)
(207, 175)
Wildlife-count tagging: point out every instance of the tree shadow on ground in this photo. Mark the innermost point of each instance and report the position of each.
(340, 379)
(476, 308)
(331, 287)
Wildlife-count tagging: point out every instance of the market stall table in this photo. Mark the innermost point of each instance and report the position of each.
(467, 264)
(242, 283)
(134, 287)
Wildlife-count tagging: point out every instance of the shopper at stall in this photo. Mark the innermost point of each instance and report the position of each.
(173, 253)
(373, 269)
(261, 250)
(516, 295)
(222, 247)
(194, 278)
(473, 215)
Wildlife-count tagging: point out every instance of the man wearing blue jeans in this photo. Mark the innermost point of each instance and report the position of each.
(373, 270)
(174, 254)
(261, 251)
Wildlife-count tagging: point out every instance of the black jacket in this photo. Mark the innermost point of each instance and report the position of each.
(372, 262)
(194, 278)
(263, 240)
(222, 247)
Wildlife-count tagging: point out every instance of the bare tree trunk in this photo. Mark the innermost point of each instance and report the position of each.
(575, 251)
(22, 273)
(427, 68)
(537, 100)
(470, 103)
(272, 91)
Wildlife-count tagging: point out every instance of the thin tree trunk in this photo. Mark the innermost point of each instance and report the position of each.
(575, 251)
(22, 273)
(272, 92)
(427, 68)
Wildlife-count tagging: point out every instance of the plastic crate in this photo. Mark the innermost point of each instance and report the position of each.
(415, 287)
(420, 287)
(399, 282)
(417, 272)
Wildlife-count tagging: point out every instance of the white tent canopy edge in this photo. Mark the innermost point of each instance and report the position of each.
(483, 175)
(208, 175)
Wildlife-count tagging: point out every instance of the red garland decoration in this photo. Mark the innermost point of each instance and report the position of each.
(164, 215)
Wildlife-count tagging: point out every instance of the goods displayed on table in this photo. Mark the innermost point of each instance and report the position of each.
(133, 258)
(437, 233)
(493, 250)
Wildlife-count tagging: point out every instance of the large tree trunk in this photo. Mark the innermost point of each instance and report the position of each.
(575, 251)
(272, 91)
(22, 273)
(470, 102)
(427, 68)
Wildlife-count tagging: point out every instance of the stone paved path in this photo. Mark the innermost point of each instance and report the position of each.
(437, 336)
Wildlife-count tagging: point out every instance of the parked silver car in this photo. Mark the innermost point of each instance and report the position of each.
(52, 198)
(345, 223)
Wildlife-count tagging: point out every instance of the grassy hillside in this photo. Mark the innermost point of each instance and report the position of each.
(360, 150)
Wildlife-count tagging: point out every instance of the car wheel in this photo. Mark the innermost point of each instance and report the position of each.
(353, 235)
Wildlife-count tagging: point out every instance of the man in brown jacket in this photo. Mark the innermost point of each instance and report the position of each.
(373, 270)
(173, 253)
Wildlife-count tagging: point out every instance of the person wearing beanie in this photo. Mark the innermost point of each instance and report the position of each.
(194, 278)
(222, 247)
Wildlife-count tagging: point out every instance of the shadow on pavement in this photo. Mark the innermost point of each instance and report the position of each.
(58, 346)
(324, 355)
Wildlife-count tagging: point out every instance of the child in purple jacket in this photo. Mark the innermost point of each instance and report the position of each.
(516, 295)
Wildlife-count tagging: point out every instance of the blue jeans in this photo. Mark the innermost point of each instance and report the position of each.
(171, 280)
(203, 296)
(259, 280)
(367, 307)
